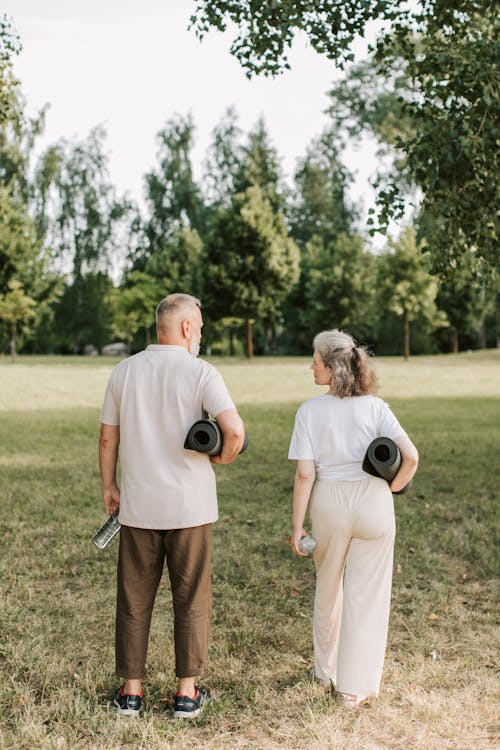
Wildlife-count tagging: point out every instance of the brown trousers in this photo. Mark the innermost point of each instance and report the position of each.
(141, 559)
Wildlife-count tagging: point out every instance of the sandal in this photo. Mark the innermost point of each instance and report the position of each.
(352, 701)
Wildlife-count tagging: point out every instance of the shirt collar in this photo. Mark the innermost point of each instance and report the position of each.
(165, 348)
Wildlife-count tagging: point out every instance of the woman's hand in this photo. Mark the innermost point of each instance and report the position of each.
(297, 535)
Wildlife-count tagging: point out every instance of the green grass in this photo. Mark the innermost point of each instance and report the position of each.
(57, 590)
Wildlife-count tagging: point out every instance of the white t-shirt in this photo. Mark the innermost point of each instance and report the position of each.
(155, 396)
(336, 432)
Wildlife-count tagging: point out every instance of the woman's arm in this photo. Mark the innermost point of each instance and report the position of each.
(409, 463)
(305, 475)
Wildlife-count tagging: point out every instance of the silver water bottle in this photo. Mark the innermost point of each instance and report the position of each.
(107, 532)
(307, 544)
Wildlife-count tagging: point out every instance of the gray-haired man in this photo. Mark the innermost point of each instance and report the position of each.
(167, 502)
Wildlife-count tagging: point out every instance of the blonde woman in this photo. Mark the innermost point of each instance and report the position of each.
(352, 515)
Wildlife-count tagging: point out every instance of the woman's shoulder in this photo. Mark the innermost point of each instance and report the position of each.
(312, 404)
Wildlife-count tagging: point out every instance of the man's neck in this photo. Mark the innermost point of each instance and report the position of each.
(173, 341)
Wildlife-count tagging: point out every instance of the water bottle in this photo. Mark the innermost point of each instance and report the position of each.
(107, 532)
(307, 544)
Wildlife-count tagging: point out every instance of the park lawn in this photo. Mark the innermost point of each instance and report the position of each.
(57, 590)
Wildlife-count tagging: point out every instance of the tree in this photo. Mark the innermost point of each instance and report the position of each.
(252, 263)
(16, 310)
(81, 205)
(405, 285)
(449, 55)
(267, 29)
(467, 302)
(172, 195)
(224, 161)
(23, 261)
(177, 266)
(320, 207)
(322, 225)
(134, 305)
(340, 286)
(9, 47)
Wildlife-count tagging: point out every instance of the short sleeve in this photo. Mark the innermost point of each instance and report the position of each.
(388, 425)
(110, 412)
(300, 444)
(216, 397)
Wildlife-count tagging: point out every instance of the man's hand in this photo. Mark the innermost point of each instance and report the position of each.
(111, 498)
(233, 434)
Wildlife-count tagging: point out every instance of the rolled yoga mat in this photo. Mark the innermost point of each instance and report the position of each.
(205, 436)
(383, 459)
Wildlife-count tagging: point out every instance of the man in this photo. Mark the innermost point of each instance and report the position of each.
(167, 502)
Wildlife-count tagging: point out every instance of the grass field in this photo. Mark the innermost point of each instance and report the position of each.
(57, 590)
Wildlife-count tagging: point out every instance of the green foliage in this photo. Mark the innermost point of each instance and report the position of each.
(10, 46)
(340, 292)
(444, 123)
(18, 244)
(133, 305)
(430, 93)
(83, 315)
(251, 262)
(450, 59)
(335, 272)
(173, 197)
(84, 212)
(266, 30)
(320, 205)
(177, 266)
(405, 285)
(466, 300)
(224, 161)
(16, 310)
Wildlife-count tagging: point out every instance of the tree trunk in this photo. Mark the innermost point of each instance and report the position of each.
(481, 337)
(407, 336)
(455, 341)
(249, 339)
(13, 351)
(231, 342)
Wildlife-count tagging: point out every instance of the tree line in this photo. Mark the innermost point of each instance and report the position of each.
(273, 263)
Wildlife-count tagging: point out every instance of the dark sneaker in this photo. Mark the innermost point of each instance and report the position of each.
(127, 705)
(189, 708)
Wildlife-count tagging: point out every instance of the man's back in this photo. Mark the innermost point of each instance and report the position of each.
(155, 396)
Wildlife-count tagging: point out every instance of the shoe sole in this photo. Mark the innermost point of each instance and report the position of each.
(187, 714)
(125, 711)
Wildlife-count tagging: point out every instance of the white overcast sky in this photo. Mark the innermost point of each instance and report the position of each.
(131, 65)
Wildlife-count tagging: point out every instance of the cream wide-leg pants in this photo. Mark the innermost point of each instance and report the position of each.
(354, 527)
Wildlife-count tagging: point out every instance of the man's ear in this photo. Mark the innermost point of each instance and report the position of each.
(185, 328)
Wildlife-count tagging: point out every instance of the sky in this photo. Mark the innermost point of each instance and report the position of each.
(131, 66)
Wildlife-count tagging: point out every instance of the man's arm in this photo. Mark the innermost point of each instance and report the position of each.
(233, 434)
(409, 463)
(109, 440)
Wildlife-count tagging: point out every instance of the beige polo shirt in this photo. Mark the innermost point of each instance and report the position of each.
(155, 396)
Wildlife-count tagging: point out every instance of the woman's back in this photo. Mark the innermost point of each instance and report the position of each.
(336, 432)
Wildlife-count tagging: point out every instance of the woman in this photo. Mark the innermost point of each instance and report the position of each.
(352, 515)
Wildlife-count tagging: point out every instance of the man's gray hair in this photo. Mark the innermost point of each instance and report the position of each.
(173, 304)
(351, 371)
